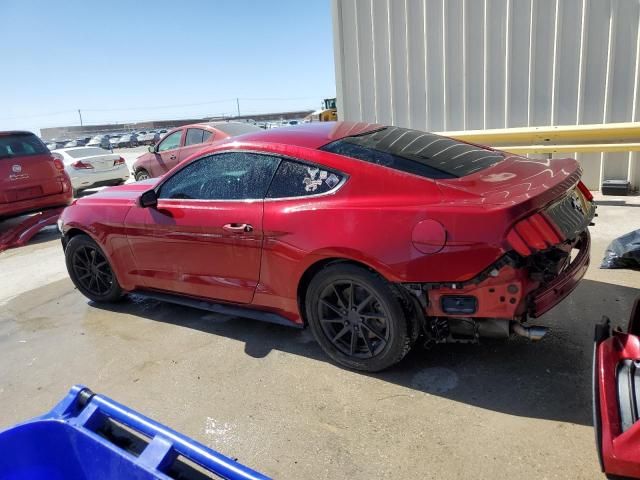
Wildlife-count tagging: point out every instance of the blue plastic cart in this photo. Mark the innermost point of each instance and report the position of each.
(89, 436)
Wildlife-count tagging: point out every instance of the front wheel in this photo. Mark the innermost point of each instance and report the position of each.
(357, 318)
(90, 270)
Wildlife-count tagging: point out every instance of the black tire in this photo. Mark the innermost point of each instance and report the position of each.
(90, 271)
(346, 304)
(142, 174)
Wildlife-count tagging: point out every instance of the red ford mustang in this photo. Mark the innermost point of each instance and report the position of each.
(31, 178)
(370, 235)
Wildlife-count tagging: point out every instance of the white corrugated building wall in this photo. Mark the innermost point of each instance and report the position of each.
(444, 65)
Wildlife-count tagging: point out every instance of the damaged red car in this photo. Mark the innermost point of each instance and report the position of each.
(31, 178)
(616, 396)
(371, 235)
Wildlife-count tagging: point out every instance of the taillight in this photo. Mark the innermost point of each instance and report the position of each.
(80, 165)
(533, 233)
(585, 191)
(118, 161)
(58, 162)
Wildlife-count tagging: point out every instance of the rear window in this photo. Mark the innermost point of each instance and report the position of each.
(419, 153)
(236, 128)
(21, 145)
(86, 152)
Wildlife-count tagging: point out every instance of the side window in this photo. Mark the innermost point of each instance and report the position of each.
(206, 135)
(171, 142)
(194, 136)
(295, 179)
(225, 176)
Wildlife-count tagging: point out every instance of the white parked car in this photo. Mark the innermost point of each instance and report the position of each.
(90, 167)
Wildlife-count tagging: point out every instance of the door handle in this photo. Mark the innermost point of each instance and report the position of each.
(238, 228)
(172, 157)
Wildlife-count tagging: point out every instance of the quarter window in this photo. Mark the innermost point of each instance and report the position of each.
(295, 179)
(225, 176)
(171, 142)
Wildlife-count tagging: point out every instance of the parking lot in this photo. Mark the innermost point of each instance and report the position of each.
(267, 395)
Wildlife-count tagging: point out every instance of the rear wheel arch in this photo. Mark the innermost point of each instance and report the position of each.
(410, 304)
(382, 312)
(313, 269)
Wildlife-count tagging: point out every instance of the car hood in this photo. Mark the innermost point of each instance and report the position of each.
(128, 193)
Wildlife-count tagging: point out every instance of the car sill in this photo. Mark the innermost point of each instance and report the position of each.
(223, 308)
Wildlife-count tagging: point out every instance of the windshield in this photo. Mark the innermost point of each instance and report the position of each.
(21, 145)
(420, 153)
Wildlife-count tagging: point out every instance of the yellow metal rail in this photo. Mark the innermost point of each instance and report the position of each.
(609, 137)
(582, 148)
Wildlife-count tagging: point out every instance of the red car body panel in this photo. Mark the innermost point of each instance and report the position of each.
(619, 450)
(380, 217)
(31, 183)
(159, 163)
(20, 234)
(188, 236)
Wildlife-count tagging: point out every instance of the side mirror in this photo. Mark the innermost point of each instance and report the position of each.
(148, 199)
(152, 148)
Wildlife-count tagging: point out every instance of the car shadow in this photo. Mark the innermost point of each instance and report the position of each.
(549, 380)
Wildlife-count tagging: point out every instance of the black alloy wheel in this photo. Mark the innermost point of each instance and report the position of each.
(357, 317)
(90, 270)
(353, 319)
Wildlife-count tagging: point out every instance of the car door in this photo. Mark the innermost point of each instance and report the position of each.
(194, 140)
(167, 153)
(204, 237)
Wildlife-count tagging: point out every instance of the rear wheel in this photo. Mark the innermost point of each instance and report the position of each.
(142, 174)
(357, 318)
(90, 270)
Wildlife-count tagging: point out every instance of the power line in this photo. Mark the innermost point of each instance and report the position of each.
(159, 107)
(38, 115)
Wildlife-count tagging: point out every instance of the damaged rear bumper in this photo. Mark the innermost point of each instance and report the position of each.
(507, 290)
(545, 298)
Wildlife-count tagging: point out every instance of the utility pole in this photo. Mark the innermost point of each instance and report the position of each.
(238, 105)
(80, 114)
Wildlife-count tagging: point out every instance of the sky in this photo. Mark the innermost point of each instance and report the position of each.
(127, 61)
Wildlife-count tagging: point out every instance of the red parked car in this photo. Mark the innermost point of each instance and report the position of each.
(182, 142)
(31, 178)
(370, 235)
(616, 397)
